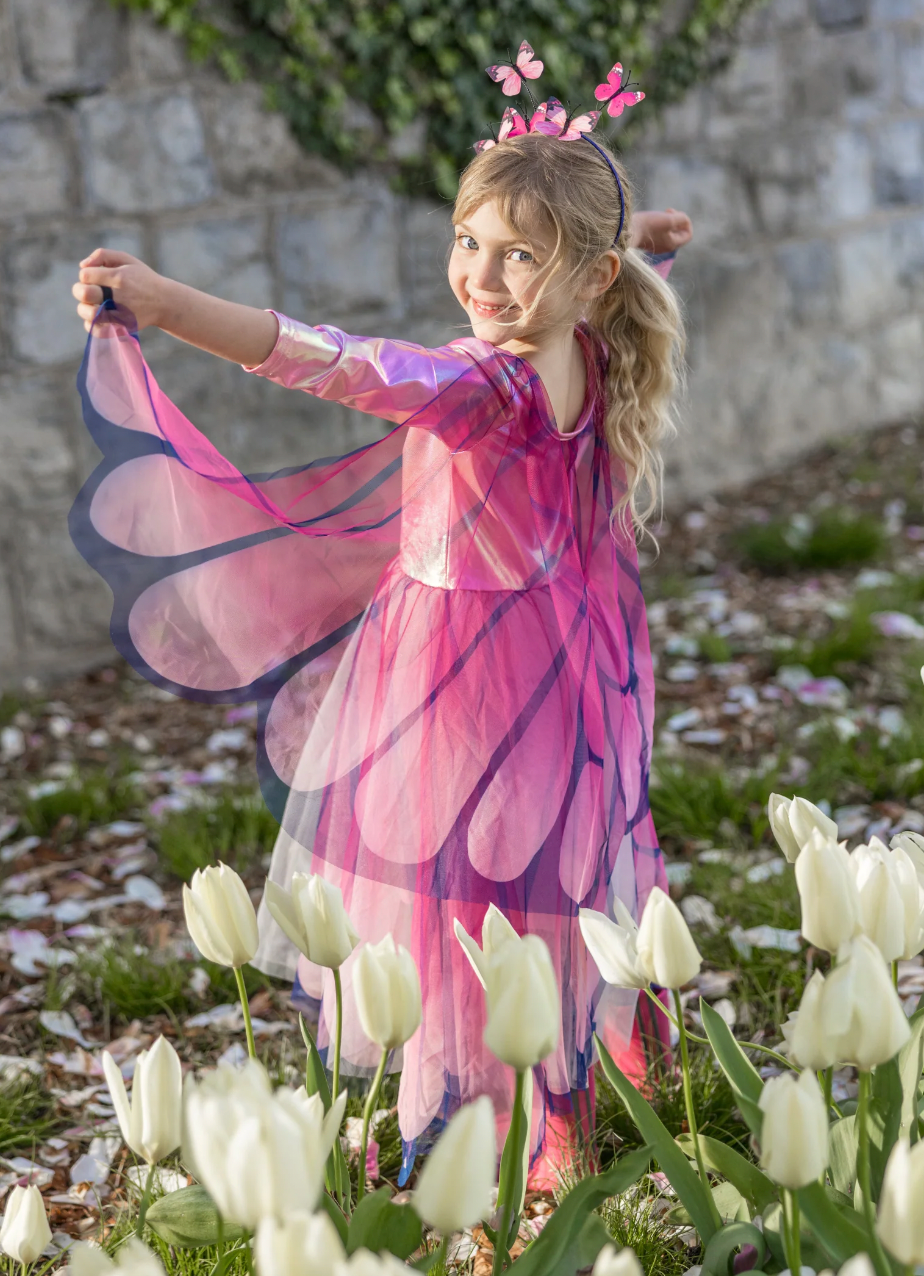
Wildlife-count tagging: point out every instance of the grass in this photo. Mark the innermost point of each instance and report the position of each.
(237, 828)
(98, 797)
(634, 1220)
(835, 539)
(27, 1116)
(124, 980)
(696, 801)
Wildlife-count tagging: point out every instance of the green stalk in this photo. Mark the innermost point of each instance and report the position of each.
(338, 1036)
(895, 975)
(220, 1265)
(880, 1261)
(704, 1041)
(367, 1117)
(439, 1262)
(828, 1086)
(245, 1007)
(145, 1202)
(792, 1232)
(691, 1113)
(505, 1204)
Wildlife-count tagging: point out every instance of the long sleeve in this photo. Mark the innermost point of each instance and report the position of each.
(661, 262)
(396, 380)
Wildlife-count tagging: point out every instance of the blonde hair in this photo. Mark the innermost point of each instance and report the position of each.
(541, 182)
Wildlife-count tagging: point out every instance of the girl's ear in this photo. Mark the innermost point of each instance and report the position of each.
(601, 276)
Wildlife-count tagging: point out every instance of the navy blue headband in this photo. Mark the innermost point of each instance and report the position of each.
(622, 198)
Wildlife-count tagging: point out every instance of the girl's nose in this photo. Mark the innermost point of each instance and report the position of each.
(485, 275)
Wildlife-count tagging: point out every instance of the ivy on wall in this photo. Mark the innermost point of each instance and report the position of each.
(401, 83)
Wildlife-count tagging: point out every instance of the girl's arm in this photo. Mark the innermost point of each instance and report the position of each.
(239, 333)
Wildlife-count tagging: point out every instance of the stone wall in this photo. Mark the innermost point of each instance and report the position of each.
(802, 165)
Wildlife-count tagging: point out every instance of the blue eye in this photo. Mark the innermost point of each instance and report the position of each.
(521, 255)
(467, 241)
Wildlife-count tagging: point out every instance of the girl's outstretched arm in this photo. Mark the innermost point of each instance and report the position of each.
(242, 334)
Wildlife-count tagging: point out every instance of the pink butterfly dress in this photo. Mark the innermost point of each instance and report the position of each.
(448, 647)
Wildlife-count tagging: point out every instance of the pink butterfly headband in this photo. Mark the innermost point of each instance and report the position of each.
(552, 119)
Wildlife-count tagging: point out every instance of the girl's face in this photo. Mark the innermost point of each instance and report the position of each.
(495, 276)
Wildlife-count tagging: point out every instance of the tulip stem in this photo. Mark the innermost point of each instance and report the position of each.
(895, 975)
(792, 1232)
(691, 1112)
(338, 1036)
(704, 1041)
(369, 1108)
(145, 1202)
(245, 1007)
(439, 1258)
(828, 1079)
(880, 1261)
(506, 1206)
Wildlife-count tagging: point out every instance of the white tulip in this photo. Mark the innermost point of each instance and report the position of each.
(364, 1263)
(793, 820)
(24, 1232)
(152, 1121)
(454, 1188)
(133, 1259)
(220, 916)
(859, 1265)
(614, 946)
(882, 910)
(913, 846)
(257, 1152)
(666, 949)
(828, 893)
(860, 1008)
(312, 915)
(810, 1045)
(387, 991)
(302, 1245)
(901, 1218)
(496, 931)
(794, 1134)
(617, 1262)
(523, 1002)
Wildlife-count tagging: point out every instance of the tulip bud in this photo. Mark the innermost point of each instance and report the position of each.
(913, 846)
(495, 932)
(859, 1265)
(24, 1232)
(365, 1263)
(454, 1188)
(614, 1262)
(312, 915)
(860, 1008)
(152, 1122)
(901, 1218)
(810, 1045)
(524, 1007)
(794, 1135)
(793, 820)
(133, 1259)
(302, 1245)
(828, 893)
(614, 946)
(666, 950)
(257, 1152)
(387, 991)
(220, 916)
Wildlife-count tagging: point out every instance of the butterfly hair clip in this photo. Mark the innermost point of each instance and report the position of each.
(510, 78)
(617, 92)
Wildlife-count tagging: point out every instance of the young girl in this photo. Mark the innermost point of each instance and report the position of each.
(444, 631)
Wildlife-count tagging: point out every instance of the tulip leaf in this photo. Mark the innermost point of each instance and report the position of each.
(188, 1218)
(684, 1180)
(843, 1154)
(565, 1231)
(582, 1253)
(520, 1157)
(885, 1119)
(315, 1075)
(841, 1232)
(911, 1066)
(728, 1201)
(742, 1074)
(750, 1181)
(379, 1225)
(716, 1260)
(813, 1254)
(337, 1216)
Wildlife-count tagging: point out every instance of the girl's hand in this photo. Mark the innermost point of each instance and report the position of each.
(134, 285)
(660, 232)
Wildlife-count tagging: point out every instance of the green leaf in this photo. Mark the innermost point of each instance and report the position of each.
(742, 1074)
(582, 1253)
(840, 1232)
(315, 1075)
(684, 1180)
(560, 1236)
(188, 1219)
(330, 1206)
(910, 1067)
(813, 1255)
(843, 1154)
(716, 1260)
(750, 1181)
(885, 1119)
(728, 1201)
(379, 1225)
(520, 1157)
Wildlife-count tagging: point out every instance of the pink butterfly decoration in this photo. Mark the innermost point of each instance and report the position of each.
(528, 67)
(551, 118)
(579, 125)
(512, 125)
(615, 94)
